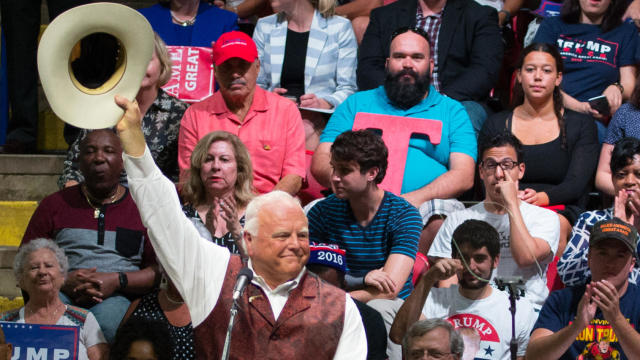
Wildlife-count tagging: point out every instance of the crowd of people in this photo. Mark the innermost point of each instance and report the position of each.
(533, 209)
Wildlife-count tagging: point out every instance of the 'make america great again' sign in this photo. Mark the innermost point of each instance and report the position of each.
(191, 73)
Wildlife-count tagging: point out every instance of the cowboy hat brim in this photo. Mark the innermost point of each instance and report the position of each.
(74, 103)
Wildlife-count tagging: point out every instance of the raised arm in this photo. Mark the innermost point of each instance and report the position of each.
(411, 309)
(525, 249)
(196, 266)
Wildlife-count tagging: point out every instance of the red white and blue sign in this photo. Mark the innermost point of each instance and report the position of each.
(42, 342)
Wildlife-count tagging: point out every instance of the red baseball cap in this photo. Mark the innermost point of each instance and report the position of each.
(234, 44)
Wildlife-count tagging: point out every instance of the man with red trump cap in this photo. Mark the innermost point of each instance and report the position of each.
(268, 124)
(607, 309)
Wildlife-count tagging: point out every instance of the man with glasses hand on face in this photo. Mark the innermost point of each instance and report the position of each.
(528, 234)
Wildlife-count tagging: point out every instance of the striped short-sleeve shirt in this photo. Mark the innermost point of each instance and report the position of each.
(395, 229)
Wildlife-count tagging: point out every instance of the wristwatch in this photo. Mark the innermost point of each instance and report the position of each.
(124, 281)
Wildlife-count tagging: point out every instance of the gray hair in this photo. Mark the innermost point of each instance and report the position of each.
(275, 198)
(419, 328)
(34, 245)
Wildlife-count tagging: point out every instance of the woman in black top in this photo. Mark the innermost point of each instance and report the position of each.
(560, 146)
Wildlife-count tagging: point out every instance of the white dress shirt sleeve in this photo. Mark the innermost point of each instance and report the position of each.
(196, 266)
(353, 341)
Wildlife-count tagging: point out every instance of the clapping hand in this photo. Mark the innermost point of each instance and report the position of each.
(626, 206)
(605, 296)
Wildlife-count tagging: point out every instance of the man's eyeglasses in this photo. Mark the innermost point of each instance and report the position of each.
(430, 353)
(506, 164)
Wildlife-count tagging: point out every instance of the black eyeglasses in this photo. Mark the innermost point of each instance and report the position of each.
(413, 29)
(491, 165)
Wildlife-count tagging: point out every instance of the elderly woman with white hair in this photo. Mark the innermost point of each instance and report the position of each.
(40, 267)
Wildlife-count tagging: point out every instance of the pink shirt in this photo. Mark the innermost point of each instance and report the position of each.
(272, 132)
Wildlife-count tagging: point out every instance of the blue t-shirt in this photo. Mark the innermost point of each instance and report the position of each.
(625, 123)
(592, 59)
(560, 309)
(211, 22)
(395, 229)
(425, 161)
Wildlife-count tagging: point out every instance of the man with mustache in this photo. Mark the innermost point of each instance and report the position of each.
(432, 172)
(268, 124)
(473, 302)
(466, 41)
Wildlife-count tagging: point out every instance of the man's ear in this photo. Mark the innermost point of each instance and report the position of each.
(431, 65)
(496, 261)
(248, 243)
(521, 167)
(372, 173)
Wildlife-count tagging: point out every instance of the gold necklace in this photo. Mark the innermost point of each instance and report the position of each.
(97, 209)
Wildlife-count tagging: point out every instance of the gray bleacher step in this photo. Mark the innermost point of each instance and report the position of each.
(29, 177)
(8, 283)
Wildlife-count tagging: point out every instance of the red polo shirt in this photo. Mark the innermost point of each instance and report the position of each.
(272, 132)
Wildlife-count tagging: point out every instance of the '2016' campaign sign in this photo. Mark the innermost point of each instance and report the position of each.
(191, 73)
(42, 342)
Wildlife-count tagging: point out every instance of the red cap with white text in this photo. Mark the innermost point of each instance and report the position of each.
(234, 44)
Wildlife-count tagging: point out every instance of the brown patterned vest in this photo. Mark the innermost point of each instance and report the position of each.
(309, 326)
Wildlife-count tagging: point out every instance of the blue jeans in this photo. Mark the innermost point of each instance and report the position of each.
(109, 313)
(476, 113)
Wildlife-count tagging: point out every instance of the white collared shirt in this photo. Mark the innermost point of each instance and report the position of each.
(277, 297)
(198, 267)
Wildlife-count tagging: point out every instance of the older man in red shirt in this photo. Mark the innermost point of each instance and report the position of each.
(268, 124)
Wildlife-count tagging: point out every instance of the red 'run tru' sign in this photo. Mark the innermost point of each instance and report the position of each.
(191, 73)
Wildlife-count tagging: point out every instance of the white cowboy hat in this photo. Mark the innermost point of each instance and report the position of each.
(73, 102)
